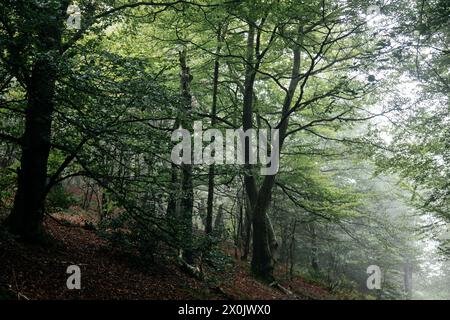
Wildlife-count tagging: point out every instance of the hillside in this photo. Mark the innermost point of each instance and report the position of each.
(37, 272)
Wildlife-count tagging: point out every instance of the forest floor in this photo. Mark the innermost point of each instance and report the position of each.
(107, 272)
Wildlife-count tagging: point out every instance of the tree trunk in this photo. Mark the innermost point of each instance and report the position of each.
(292, 251)
(172, 206)
(173, 192)
(408, 280)
(27, 214)
(262, 266)
(187, 187)
(239, 236)
(219, 227)
(262, 261)
(28, 210)
(284, 246)
(210, 201)
(248, 229)
(264, 242)
(314, 250)
(211, 173)
(187, 205)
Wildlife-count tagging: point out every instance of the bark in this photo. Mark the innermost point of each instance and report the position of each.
(262, 262)
(284, 247)
(211, 173)
(273, 243)
(210, 201)
(187, 205)
(248, 230)
(292, 251)
(103, 204)
(239, 236)
(28, 210)
(408, 280)
(314, 250)
(219, 227)
(187, 188)
(172, 206)
(172, 201)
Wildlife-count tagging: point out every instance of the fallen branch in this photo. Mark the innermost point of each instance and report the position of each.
(19, 294)
(193, 271)
(278, 286)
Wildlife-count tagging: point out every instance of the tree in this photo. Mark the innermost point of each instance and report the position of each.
(35, 47)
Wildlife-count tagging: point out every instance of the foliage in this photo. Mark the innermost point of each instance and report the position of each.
(362, 104)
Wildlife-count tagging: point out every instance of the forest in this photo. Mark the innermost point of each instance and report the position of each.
(225, 149)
